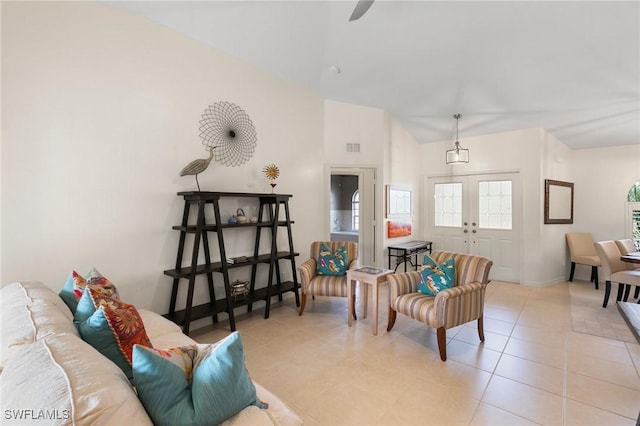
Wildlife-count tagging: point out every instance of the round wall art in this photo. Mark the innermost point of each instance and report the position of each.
(228, 128)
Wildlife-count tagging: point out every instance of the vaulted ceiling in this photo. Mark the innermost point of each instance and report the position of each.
(572, 67)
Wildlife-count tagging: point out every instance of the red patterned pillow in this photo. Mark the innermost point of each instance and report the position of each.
(113, 329)
(74, 287)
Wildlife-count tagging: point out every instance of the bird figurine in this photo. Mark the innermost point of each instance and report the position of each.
(198, 166)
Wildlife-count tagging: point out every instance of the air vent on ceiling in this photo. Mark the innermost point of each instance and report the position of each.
(353, 147)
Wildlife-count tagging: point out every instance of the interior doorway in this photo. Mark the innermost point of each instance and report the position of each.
(352, 210)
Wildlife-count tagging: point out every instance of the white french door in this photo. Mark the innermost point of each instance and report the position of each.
(477, 214)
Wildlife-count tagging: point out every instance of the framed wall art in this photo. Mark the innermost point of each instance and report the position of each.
(399, 202)
(558, 202)
(398, 228)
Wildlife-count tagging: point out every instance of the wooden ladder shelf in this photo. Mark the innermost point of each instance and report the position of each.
(268, 219)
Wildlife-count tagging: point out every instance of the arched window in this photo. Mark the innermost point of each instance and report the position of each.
(355, 211)
(633, 213)
(634, 193)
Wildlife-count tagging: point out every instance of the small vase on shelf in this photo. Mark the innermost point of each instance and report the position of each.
(273, 186)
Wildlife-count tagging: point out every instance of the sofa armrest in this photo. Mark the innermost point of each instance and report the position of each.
(458, 305)
(403, 283)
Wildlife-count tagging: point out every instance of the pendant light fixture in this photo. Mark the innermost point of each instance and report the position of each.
(457, 154)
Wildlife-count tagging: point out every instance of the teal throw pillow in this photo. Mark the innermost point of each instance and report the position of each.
(92, 298)
(112, 329)
(332, 262)
(428, 261)
(435, 278)
(194, 385)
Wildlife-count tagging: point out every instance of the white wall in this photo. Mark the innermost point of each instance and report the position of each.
(517, 151)
(402, 167)
(347, 123)
(603, 178)
(385, 146)
(100, 112)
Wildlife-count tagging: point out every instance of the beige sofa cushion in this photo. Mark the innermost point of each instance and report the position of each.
(30, 311)
(65, 378)
(164, 334)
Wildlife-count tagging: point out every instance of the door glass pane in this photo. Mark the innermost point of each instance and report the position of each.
(495, 204)
(447, 205)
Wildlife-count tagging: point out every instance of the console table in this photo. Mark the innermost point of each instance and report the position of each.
(408, 252)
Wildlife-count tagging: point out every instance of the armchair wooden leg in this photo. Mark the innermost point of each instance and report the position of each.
(573, 269)
(607, 292)
(391, 319)
(594, 273)
(481, 328)
(303, 300)
(442, 343)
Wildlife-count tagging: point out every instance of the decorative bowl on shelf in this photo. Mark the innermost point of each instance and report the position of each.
(239, 290)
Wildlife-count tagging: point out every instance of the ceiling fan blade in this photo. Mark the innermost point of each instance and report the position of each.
(360, 9)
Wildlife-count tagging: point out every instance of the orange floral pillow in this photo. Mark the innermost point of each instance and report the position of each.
(112, 329)
(74, 287)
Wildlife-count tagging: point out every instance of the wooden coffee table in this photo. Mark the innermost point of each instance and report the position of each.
(366, 275)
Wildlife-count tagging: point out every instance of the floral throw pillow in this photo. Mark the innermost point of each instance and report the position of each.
(194, 385)
(92, 298)
(435, 278)
(112, 329)
(332, 262)
(74, 287)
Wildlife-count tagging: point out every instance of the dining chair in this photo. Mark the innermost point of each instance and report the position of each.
(615, 270)
(627, 246)
(582, 252)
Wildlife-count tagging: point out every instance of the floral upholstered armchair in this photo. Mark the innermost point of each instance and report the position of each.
(314, 284)
(461, 303)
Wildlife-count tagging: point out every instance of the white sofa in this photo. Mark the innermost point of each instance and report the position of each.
(49, 375)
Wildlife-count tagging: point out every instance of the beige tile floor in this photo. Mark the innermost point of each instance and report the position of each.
(532, 368)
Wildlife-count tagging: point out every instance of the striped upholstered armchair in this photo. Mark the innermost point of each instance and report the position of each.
(326, 285)
(449, 308)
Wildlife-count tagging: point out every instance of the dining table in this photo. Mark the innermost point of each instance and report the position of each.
(631, 257)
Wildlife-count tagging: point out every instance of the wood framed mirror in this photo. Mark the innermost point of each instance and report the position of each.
(558, 202)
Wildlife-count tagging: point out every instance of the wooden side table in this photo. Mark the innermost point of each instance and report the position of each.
(366, 275)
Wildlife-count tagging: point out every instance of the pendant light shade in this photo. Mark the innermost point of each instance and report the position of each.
(457, 154)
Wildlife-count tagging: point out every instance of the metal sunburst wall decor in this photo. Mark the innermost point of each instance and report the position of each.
(227, 127)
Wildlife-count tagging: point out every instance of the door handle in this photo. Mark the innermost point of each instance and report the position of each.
(465, 231)
(474, 231)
